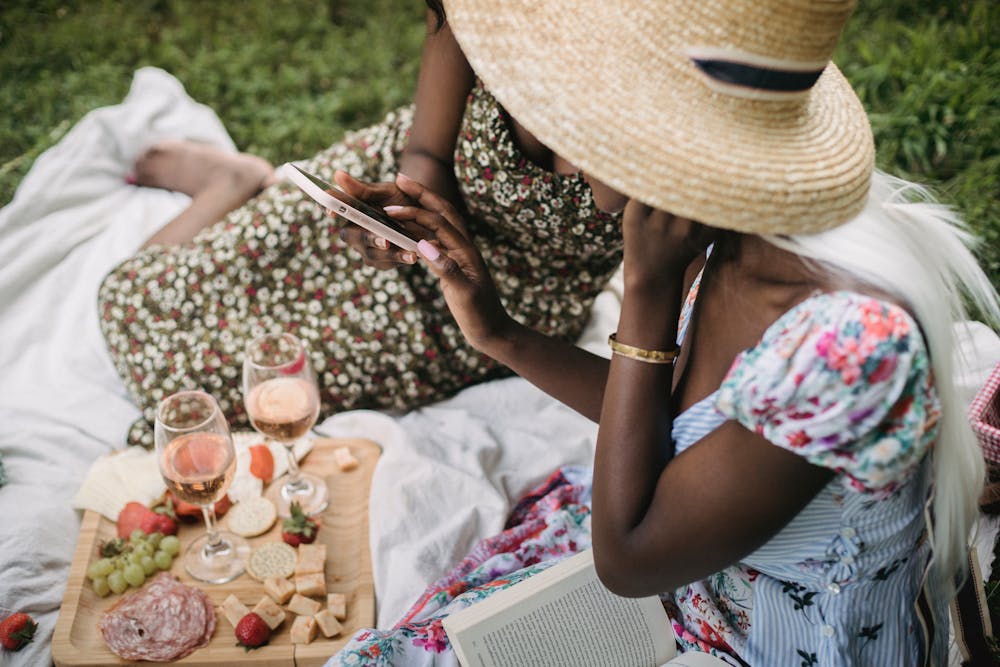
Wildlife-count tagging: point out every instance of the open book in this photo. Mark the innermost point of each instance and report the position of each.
(565, 616)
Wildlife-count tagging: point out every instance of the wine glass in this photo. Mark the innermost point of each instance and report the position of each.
(282, 401)
(197, 461)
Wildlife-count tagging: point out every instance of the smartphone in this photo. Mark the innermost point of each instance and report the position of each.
(355, 210)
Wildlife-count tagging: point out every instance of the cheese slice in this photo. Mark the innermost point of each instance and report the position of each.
(120, 477)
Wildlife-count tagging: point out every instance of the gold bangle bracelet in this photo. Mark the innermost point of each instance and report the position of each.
(640, 354)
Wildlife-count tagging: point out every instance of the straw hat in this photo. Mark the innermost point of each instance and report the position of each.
(728, 112)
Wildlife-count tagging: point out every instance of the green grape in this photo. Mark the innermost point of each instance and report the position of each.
(134, 575)
(134, 557)
(101, 567)
(163, 559)
(142, 548)
(101, 587)
(148, 565)
(154, 540)
(117, 583)
(136, 535)
(171, 545)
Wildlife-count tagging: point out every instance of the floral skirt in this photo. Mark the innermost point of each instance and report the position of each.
(179, 317)
(547, 525)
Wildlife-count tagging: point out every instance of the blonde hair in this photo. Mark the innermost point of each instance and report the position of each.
(908, 245)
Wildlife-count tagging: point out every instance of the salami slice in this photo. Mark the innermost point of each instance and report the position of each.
(164, 620)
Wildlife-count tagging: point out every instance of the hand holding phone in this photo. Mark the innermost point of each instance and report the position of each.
(350, 208)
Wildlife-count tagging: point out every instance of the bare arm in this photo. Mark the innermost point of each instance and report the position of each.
(442, 89)
(661, 521)
(568, 373)
(564, 371)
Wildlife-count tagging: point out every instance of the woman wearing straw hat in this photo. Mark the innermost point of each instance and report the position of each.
(781, 450)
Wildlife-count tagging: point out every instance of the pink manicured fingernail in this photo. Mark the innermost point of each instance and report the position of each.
(403, 177)
(427, 250)
(382, 243)
(131, 179)
(392, 209)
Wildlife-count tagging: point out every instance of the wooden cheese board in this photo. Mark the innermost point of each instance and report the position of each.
(77, 642)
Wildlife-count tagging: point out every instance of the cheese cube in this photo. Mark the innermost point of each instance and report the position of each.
(328, 623)
(312, 585)
(303, 630)
(234, 610)
(269, 610)
(311, 558)
(279, 588)
(344, 459)
(303, 606)
(337, 603)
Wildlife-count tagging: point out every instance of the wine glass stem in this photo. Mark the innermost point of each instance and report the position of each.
(214, 539)
(293, 467)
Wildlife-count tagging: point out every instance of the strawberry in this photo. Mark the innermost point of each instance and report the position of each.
(261, 462)
(16, 631)
(134, 515)
(252, 631)
(166, 521)
(130, 518)
(154, 522)
(298, 528)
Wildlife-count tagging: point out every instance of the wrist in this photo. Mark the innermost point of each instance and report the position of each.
(649, 317)
(501, 340)
(427, 170)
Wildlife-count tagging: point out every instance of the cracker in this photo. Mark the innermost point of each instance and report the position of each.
(274, 559)
(252, 516)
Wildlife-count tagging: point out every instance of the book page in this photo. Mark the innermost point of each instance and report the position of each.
(562, 616)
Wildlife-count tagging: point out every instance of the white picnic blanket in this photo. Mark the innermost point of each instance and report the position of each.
(62, 405)
(448, 475)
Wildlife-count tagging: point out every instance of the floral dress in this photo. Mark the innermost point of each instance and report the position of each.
(841, 379)
(179, 317)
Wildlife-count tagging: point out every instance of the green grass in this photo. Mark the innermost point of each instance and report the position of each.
(929, 76)
(288, 78)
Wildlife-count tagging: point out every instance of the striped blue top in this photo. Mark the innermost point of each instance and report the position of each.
(843, 380)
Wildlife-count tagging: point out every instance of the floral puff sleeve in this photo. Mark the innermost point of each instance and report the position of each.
(843, 380)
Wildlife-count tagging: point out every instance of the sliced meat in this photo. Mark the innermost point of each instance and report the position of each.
(164, 620)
